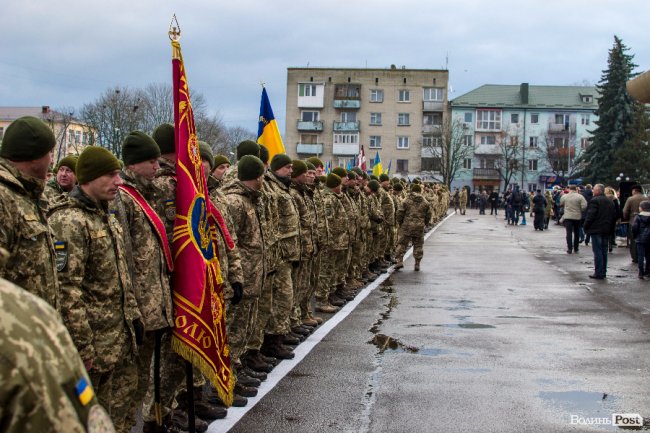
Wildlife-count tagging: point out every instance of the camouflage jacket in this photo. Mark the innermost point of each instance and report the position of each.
(374, 212)
(97, 301)
(165, 201)
(364, 218)
(288, 221)
(25, 234)
(270, 223)
(387, 207)
(321, 235)
(414, 214)
(39, 369)
(336, 220)
(246, 212)
(303, 197)
(229, 259)
(53, 190)
(352, 213)
(146, 259)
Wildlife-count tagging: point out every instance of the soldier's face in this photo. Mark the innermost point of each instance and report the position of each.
(104, 188)
(319, 171)
(146, 169)
(206, 168)
(285, 171)
(66, 178)
(311, 176)
(302, 179)
(221, 171)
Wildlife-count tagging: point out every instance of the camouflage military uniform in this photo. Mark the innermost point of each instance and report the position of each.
(97, 301)
(413, 217)
(388, 226)
(335, 255)
(463, 200)
(376, 229)
(318, 284)
(41, 370)
(53, 190)
(352, 220)
(25, 234)
(165, 203)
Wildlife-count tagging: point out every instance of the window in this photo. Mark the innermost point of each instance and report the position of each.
(402, 165)
(488, 119)
(376, 95)
(587, 99)
(532, 141)
(488, 139)
(375, 142)
(348, 116)
(77, 137)
(426, 164)
(309, 116)
(514, 118)
(532, 187)
(562, 119)
(375, 118)
(584, 119)
(308, 138)
(468, 117)
(532, 164)
(534, 118)
(429, 141)
(402, 142)
(467, 140)
(560, 142)
(70, 136)
(514, 141)
(584, 142)
(347, 91)
(434, 94)
(404, 96)
(306, 90)
(403, 119)
(432, 119)
(346, 138)
(467, 163)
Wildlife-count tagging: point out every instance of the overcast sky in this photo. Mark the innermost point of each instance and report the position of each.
(67, 52)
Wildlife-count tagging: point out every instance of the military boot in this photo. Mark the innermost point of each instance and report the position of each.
(253, 361)
(244, 379)
(277, 350)
(324, 306)
(178, 419)
(256, 374)
(417, 265)
(399, 264)
(245, 391)
(319, 320)
(309, 321)
(336, 301)
(292, 339)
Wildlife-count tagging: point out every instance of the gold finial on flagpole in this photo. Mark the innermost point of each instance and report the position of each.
(174, 35)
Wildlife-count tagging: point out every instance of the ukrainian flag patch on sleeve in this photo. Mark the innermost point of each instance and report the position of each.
(84, 391)
(61, 255)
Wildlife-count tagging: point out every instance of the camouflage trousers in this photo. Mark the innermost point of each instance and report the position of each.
(115, 390)
(316, 281)
(302, 291)
(264, 310)
(359, 249)
(282, 300)
(403, 243)
(389, 239)
(242, 325)
(377, 245)
(333, 262)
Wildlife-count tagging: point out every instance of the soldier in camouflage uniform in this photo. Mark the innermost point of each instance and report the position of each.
(463, 200)
(388, 210)
(44, 386)
(97, 301)
(376, 240)
(63, 180)
(413, 216)
(24, 160)
(342, 294)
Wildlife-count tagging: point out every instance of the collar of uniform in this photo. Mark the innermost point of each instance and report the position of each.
(30, 185)
(86, 201)
(144, 186)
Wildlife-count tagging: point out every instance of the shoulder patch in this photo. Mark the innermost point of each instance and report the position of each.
(61, 255)
(170, 209)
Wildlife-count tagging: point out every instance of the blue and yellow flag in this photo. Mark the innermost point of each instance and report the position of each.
(377, 169)
(268, 133)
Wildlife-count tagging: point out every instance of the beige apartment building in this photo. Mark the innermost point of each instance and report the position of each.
(331, 113)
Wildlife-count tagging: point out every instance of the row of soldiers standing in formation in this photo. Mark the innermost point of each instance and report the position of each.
(91, 250)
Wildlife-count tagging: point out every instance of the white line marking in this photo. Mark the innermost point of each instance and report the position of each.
(303, 349)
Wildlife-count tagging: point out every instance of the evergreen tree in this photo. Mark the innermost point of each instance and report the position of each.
(615, 117)
(633, 159)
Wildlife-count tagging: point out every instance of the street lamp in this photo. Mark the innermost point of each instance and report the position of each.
(622, 176)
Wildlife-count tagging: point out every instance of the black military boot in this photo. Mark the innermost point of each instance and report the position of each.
(255, 363)
(256, 374)
(278, 350)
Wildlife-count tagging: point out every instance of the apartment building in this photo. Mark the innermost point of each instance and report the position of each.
(534, 133)
(332, 112)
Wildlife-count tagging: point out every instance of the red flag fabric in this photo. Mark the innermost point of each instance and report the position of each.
(361, 159)
(200, 323)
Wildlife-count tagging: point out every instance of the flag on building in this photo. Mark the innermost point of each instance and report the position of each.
(199, 334)
(361, 159)
(389, 164)
(377, 169)
(268, 133)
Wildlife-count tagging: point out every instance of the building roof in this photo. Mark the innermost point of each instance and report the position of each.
(542, 97)
(9, 114)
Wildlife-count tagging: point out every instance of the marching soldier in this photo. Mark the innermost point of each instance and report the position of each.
(413, 216)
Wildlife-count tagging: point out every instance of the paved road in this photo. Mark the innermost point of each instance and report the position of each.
(501, 331)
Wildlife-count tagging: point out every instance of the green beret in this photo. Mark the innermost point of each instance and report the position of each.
(69, 161)
(321, 179)
(249, 167)
(394, 180)
(95, 162)
(247, 147)
(26, 139)
(352, 175)
(340, 171)
(264, 154)
(333, 180)
(398, 187)
(206, 153)
(221, 159)
(280, 160)
(365, 175)
(373, 177)
(374, 185)
(164, 137)
(357, 170)
(316, 161)
(138, 147)
(417, 180)
(383, 177)
(299, 167)
(415, 187)
(309, 165)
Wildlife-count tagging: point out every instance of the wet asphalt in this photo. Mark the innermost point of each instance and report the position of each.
(500, 331)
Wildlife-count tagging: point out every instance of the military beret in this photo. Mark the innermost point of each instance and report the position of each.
(316, 161)
(138, 147)
(280, 160)
(374, 185)
(357, 170)
(352, 175)
(206, 153)
(69, 161)
(417, 180)
(249, 167)
(220, 159)
(398, 187)
(333, 180)
(383, 177)
(365, 175)
(322, 179)
(26, 139)
(373, 177)
(299, 167)
(394, 180)
(247, 147)
(309, 165)
(415, 187)
(340, 171)
(164, 137)
(264, 154)
(95, 162)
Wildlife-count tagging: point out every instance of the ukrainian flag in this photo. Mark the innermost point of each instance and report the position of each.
(377, 169)
(267, 130)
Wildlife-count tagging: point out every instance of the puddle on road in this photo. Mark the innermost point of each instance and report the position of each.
(517, 317)
(384, 342)
(465, 325)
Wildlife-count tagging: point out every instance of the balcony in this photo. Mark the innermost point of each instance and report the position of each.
(345, 149)
(310, 149)
(433, 106)
(487, 149)
(557, 128)
(310, 126)
(347, 103)
(432, 129)
(485, 174)
(346, 126)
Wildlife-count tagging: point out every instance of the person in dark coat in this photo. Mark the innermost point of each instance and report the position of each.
(539, 209)
(600, 222)
(494, 202)
(641, 232)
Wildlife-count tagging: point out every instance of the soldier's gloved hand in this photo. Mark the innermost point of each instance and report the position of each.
(295, 264)
(138, 327)
(238, 293)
